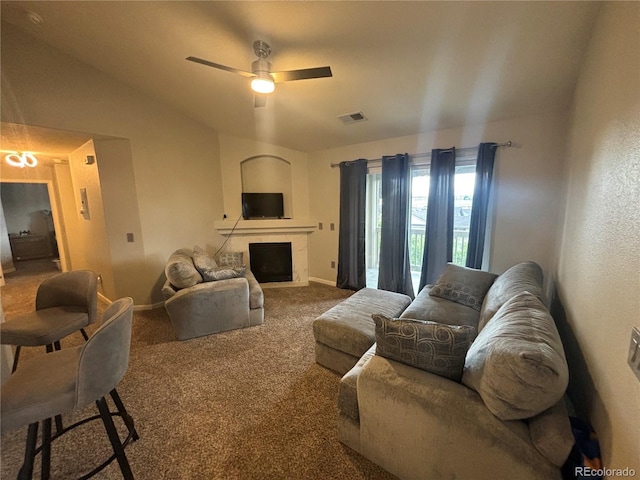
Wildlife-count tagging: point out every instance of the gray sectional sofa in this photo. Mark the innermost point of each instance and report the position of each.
(487, 405)
(204, 295)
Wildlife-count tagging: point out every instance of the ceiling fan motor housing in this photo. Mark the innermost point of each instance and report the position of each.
(260, 66)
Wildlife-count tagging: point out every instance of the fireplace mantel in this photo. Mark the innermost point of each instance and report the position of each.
(264, 227)
(266, 231)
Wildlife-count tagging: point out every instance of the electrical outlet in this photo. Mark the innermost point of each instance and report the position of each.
(634, 351)
(333, 264)
(333, 226)
(129, 237)
(320, 226)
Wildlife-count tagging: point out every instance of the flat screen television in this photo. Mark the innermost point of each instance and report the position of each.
(262, 205)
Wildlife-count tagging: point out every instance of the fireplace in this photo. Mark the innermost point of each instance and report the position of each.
(271, 262)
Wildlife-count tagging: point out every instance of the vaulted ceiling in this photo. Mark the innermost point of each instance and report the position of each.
(410, 67)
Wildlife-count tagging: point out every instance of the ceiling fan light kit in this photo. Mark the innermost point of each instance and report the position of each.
(263, 80)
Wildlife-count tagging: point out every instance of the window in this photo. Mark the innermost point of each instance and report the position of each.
(373, 222)
(463, 199)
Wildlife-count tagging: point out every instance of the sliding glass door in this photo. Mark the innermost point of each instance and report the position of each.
(464, 182)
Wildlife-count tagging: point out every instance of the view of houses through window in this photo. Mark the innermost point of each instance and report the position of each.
(463, 198)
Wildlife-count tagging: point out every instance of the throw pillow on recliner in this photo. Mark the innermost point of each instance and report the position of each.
(434, 347)
(466, 286)
(209, 269)
(231, 259)
(517, 362)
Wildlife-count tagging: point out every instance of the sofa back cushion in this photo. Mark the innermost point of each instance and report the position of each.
(466, 286)
(180, 270)
(517, 362)
(440, 310)
(523, 277)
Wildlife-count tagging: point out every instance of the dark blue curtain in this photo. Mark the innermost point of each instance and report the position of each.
(351, 260)
(394, 272)
(481, 191)
(438, 244)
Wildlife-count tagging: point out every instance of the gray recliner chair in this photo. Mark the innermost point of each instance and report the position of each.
(197, 308)
(69, 379)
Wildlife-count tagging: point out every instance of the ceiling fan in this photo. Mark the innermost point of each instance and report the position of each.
(263, 79)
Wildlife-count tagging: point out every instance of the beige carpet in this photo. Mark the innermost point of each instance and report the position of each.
(247, 404)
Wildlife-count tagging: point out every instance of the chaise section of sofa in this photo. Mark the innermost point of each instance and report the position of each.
(346, 331)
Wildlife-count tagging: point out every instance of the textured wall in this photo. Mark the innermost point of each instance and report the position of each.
(599, 269)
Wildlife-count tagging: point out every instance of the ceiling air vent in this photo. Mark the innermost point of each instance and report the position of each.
(349, 118)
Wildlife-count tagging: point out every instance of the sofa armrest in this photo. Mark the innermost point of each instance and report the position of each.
(209, 307)
(256, 297)
(418, 425)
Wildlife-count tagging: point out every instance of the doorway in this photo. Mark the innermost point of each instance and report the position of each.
(30, 227)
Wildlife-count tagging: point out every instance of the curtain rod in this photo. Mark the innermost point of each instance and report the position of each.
(421, 155)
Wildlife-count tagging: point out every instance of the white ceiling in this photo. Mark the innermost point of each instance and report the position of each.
(410, 67)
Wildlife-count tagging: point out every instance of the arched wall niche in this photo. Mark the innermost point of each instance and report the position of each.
(268, 174)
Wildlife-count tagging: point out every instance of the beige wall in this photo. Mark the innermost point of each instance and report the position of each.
(599, 268)
(90, 241)
(175, 160)
(527, 191)
(117, 184)
(234, 150)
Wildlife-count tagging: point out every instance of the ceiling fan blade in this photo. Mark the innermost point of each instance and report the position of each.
(260, 100)
(221, 67)
(305, 73)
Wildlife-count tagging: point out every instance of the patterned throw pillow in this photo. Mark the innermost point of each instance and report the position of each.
(231, 259)
(463, 285)
(434, 347)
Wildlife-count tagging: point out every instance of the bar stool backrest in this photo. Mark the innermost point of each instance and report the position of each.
(76, 288)
(105, 357)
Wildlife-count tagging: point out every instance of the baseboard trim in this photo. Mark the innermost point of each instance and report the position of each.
(136, 308)
(331, 283)
(153, 306)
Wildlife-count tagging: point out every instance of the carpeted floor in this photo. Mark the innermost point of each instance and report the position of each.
(247, 404)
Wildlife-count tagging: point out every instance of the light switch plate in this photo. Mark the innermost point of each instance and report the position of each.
(634, 351)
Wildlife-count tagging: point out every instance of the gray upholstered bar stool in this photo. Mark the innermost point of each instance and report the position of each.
(65, 303)
(69, 379)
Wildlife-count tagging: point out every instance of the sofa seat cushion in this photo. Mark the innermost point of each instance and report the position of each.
(517, 362)
(348, 326)
(348, 387)
(523, 277)
(180, 270)
(551, 433)
(440, 310)
(463, 285)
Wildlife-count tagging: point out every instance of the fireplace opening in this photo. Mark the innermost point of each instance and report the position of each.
(271, 262)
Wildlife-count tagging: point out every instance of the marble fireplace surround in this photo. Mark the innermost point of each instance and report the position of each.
(268, 231)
